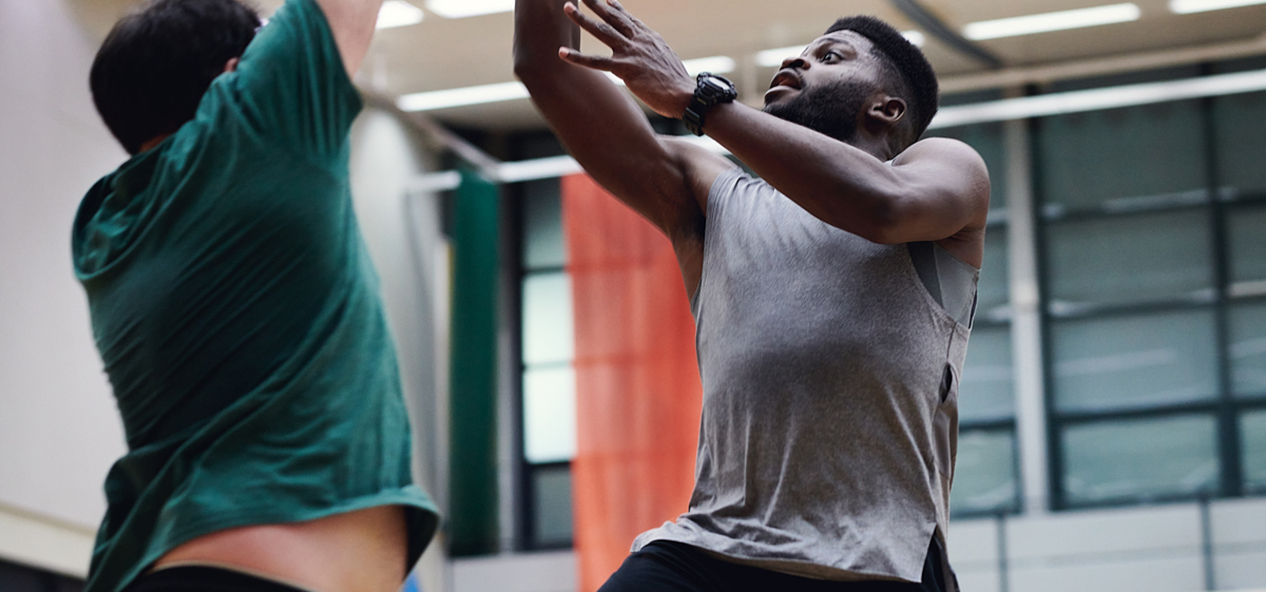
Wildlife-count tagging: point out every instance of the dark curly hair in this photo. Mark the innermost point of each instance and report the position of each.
(906, 69)
(151, 72)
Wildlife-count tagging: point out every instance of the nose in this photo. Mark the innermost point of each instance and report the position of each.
(796, 63)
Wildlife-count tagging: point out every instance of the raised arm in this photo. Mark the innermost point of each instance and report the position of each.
(352, 22)
(602, 128)
(936, 190)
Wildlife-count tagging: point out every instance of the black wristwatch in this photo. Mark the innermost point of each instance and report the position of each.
(711, 90)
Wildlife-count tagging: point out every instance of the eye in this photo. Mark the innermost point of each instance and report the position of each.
(831, 56)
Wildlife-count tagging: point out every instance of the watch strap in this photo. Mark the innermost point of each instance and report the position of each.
(710, 90)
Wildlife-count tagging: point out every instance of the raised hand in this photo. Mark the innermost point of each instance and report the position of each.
(640, 57)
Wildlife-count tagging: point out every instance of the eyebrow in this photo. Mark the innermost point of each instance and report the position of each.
(829, 40)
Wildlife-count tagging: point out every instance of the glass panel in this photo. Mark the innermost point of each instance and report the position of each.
(987, 139)
(543, 241)
(1143, 458)
(1247, 228)
(1253, 445)
(1136, 360)
(1247, 332)
(1124, 259)
(1089, 158)
(549, 414)
(987, 388)
(547, 318)
(551, 506)
(1240, 129)
(984, 476)
(993, 291)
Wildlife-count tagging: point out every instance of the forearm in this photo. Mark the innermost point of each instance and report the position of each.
(540, 28)
(837, 183)
(603, 129)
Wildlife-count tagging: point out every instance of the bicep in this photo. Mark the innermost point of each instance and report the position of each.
(941, 187)
(291, 84)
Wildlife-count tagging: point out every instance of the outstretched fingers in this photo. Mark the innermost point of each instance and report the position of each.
(614, 14)
(572, 56)
(602, 30)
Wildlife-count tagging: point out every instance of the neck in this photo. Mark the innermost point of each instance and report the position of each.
(874, 146)
(152, 142)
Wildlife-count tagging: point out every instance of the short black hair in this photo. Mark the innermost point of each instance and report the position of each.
(155, 65)
(914, 79)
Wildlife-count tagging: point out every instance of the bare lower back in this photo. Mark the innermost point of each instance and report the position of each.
(361, 551)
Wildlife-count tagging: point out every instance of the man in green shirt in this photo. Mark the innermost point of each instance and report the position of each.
(238, 314)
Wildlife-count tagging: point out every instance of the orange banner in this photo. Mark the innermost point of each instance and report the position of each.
(638, 396)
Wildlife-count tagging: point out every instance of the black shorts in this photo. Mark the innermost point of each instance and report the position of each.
(198, 578)
(664, 566)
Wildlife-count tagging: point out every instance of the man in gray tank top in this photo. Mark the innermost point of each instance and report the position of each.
(833, 295)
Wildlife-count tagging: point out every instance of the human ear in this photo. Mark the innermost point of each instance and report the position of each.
(231, 65)
(888, 109)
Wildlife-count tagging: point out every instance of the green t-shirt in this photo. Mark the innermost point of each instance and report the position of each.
(239, 319)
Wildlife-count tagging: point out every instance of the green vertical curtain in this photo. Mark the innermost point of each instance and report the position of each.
(473, 380)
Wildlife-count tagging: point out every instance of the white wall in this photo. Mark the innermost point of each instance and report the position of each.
(59, 431)
(404, 238)
(1148, 548)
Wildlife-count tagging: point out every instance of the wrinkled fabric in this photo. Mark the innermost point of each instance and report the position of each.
(238, 316)
(830, 381)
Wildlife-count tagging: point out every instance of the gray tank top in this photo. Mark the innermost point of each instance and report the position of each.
(830, 383)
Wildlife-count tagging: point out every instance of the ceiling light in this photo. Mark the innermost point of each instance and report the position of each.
(715, 65)
(459, 97)
(398, 13)
(1052, 21)
(464, 8)
(1101, 98)
(1190, 6)
(772, 58)
(917, 39)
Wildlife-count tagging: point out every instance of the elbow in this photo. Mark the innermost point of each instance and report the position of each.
(529, 67)
(524, 68)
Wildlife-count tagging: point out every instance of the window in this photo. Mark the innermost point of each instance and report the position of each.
(549, 380)
(1153, 261)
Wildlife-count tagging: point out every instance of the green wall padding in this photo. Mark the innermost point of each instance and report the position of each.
(473, 381)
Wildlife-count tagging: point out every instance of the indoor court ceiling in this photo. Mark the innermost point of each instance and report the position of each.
(442, 53)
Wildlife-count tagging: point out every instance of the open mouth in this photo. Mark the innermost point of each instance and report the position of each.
(788, 78)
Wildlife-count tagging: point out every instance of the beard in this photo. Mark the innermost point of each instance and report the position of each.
(830, 109)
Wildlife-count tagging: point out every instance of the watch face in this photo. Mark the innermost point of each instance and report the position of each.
(717, 86)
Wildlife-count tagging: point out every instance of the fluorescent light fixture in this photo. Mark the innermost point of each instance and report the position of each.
(1190, 6)
(541, 168)
(1052, 21)
(772, 58)
(1101, 98)
(714, 65)
(459, 97)
(398, 13)
(463, 8)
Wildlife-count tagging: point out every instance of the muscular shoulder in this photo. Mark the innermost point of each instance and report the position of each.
(943, 150)
(700, 165)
